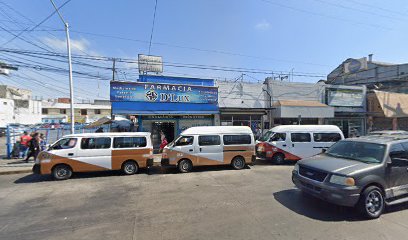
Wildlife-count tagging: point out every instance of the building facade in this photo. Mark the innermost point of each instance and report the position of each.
(373, 74)
(243, 104)
(18, 107)
(59, 111)
(166, 104)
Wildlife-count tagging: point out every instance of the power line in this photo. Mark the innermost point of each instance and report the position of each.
(325, 15)
(378, 8)
(44, 20)
(154, 19)
(222, 52)
(358, 10)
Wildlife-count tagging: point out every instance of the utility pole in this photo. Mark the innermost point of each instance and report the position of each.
(71, 84)
(113, 69)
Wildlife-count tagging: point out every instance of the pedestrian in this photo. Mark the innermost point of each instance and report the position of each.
(24, 141)
(43, 142)
(34, 147)
(163, 142)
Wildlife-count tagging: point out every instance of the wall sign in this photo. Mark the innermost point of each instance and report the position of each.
(345, 97)
(162, 93)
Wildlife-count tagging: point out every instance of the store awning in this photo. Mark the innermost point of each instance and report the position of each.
(393, 104)
(306, 109)
(99, 122)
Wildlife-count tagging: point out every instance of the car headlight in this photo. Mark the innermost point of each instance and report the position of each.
(296, 168)
(341, 180)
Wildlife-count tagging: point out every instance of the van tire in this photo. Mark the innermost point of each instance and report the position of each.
(61, 172)
(130, 167)
(238, 163)
(185, 166)
(278, 158)
(371, 196)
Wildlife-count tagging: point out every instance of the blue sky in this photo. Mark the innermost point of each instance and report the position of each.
(309, 36)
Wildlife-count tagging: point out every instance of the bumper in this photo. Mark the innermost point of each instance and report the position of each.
(343, 196)
(37, 169)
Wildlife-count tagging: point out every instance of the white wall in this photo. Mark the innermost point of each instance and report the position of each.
(11, 114)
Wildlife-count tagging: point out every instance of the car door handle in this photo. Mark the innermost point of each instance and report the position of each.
(70, 154)
(284, 145)
(201, 149)
(190, 150)
(293, 145)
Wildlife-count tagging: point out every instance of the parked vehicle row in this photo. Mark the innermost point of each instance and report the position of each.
(196, 146)
(368, 173)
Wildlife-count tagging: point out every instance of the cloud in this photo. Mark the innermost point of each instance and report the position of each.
(263, 25)
(77, 45)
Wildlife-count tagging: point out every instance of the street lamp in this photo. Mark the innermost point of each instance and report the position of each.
(71, 84)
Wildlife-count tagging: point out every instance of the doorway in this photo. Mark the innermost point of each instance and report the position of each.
(162, 126)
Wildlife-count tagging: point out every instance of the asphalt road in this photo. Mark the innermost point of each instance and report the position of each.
(211, 203)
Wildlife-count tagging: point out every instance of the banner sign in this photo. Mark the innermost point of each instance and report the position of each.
(162, 93)
(148, 63)
(345, 97)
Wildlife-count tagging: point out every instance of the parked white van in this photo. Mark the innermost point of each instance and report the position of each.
(96, 152)
(218, 145)
(294, 142)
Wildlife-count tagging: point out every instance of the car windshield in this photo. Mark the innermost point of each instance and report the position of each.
(64, 143)
(266, 136)
(359, 151)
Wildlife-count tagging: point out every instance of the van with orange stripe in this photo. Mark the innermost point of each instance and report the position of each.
(294, 142)
(203, 146)
(91, 152)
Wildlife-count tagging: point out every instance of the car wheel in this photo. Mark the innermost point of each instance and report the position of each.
(371, 203)
(278, 158)
(61, 172)
(185, 166)
(238, 163)
(130, 168)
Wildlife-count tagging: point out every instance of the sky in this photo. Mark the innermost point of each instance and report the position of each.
(306, 37)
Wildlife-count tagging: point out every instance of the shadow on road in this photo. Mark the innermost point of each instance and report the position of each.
(35, 178)
(269, 162)
(315, 208)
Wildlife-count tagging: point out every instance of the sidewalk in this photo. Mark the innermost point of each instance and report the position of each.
(14, 166)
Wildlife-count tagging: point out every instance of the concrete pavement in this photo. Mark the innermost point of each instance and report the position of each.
(210, 203)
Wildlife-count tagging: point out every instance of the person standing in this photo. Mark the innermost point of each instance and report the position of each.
(163, 141)
(24, 142)
(43, 142)
(34, 147)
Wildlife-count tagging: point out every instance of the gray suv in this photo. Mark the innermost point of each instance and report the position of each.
(367, 172)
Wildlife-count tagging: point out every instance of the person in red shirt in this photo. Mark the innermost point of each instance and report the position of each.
(24, 144)
(163, 141)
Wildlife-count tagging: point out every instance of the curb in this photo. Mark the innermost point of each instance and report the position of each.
(16, 171)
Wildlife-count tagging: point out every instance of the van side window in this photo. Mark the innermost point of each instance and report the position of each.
(397, 150)
(209, 140)
(65, 143)
(326, 137)
(184, 141)
(95, 143)
(236, 139)
(278, 137)
(300, 137)
(129, 142)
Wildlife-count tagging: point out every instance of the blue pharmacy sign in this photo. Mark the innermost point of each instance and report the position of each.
(162, 98)
(162, 93)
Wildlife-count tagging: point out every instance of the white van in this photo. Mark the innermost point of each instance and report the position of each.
(218, 145)
(96, 152)
(294, 142)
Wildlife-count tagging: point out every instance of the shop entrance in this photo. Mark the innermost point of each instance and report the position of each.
(167, 127)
